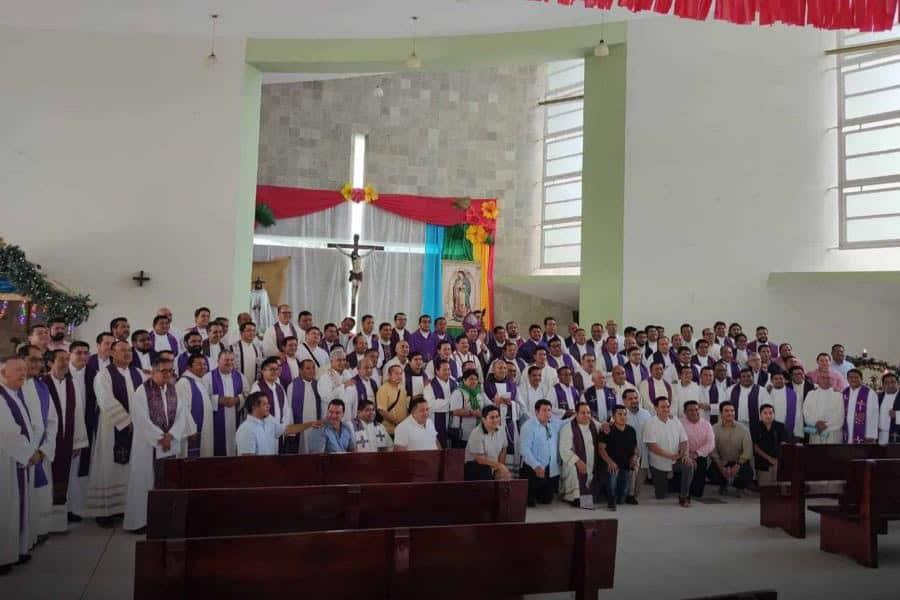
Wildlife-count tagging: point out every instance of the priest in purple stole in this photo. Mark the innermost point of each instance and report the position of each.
(600, 398)
(44, 422)
(747, 397)
(889, 401)
(95, 363)
(437, 394)
(199, 427)
(18, 453)
(861, 411)
(161, 422)
(578, 454)
(306, 406)
(502, 391)
(227, 389)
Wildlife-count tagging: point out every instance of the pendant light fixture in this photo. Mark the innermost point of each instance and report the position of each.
(413, 61)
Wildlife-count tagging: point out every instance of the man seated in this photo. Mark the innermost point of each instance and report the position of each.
(767, 435)
(416, 432)
(619, 450)
(369, 435)
(667, 443)
(577, 452)
(486, 449)
(259, 433)
(538, 442)
(338, 434)
(701, 441)
(732, 454)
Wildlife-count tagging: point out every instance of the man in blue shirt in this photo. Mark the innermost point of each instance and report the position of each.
(259, 433)
(539, 443)
(338, 434)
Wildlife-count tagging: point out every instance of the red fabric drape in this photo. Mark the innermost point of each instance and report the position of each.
(288, 202)
(864, 15)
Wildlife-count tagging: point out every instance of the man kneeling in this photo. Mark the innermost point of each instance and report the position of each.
(486, 449)
(259, 433)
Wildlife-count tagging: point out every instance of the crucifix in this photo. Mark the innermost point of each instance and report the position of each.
(141, 278)
(356, 266)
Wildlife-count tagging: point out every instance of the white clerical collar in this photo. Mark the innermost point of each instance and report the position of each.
(59, 380)
(400, 331)
(284, 325)
(775, 389)
(272, 385)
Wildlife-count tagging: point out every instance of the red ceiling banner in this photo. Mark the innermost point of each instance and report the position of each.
(864, 15)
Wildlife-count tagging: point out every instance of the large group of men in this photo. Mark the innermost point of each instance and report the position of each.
(590, 414)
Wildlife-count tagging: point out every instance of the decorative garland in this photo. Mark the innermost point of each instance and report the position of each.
(29, 281)
(482, 221)
(867, 362)
(367, 194)
(264, 215)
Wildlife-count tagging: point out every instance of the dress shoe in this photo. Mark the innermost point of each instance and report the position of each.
(23, 558)
(73, 518)
(5, 570)
(631, 500)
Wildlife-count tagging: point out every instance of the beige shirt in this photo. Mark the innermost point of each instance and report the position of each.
(733, 444)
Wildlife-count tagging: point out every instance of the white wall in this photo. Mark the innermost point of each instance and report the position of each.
(122, 153)
(731, 171)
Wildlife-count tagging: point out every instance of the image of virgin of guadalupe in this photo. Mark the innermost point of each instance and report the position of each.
(462, 295)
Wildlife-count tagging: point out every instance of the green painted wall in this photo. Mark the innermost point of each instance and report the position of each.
(603, 188)
(437, 53)
(246, 199)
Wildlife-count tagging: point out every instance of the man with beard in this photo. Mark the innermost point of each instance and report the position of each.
(58, 335)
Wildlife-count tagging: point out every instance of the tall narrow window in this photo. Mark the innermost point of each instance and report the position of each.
(563, 135)
(869, 143)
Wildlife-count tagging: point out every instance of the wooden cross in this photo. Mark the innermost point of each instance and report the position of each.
(141, 278)
(258, 284)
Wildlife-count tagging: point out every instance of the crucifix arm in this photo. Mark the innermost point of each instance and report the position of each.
(342, 251)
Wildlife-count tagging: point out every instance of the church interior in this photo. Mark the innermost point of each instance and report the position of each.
(488, 162)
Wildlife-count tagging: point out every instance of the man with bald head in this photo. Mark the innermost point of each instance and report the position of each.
(620, 383)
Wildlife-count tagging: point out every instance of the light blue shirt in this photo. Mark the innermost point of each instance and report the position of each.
(256, 436)
(539, 444)
(335, 442)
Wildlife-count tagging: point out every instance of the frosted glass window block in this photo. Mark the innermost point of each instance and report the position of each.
(564, 107)
(560, 166)
(562, 254)
(878, 165)
(882, 76)
(875, 203)
(562, 235)
(563, 191)
(564, 122)
(873, 140)
(562, 210)
(873, 230)
(573, 76)
(567, 147)
(872, 104)
(563, 65)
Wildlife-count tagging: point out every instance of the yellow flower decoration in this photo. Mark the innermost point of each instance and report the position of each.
(347, 191)
(489, 209)
(476, 234)
(371, 194)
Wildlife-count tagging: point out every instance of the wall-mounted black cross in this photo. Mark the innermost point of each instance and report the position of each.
(258, 284)
(141, 278)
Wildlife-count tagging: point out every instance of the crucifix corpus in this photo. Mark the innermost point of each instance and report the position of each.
(356, 266)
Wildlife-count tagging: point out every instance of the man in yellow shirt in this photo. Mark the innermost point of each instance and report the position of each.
(391, 399)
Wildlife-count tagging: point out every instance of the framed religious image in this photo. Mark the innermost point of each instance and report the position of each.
(462, 290)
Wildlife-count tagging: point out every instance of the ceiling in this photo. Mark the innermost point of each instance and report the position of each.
(301, 18)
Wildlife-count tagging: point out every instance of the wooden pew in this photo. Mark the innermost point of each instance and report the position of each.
(228, 512)
(871, 499)
(456, 561)
(753, 595)
(807, 471)
(309, 469)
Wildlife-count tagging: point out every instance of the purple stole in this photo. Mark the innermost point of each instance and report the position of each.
(590, 396)
(352, 360)
(651, 388)
(575, 353)
(197, 413)
(752, 399)
(440, 418)
(395, 337)
(790, 412)
(894, 431)
(91, 413)
(205, 347)
(522, 366)
(490, 390)
(163, 416)
(561, 398)
(387, 350)
(279, 335)
(173, 343)
(279, 395)
(673, 354)
(240, 346)
(695, 360)
(581, 452)
(859, 416)
(734, 370)
(135, 360)
(454, 368)
(65, 438)
(408, 379)
(285, 377)
(566, 361)
(608, 360)
(183, 362)
(21, 470)
(40, 472)
(122, 444)
(218, 389)
(629, 374)
(361, 388)
(298, 398)
(714, 399)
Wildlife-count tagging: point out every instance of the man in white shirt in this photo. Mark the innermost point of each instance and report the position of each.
(862, 411)
(273, 339)
(416, 432)
(609, 355)
(248, 355)
(788, 407)
(227, 388)
(823, 413)
(889, 399)
(654, 387)
(612, 332)
(199, 425)
(620, 384)
(667, 443)
(579, 347)
(437, 394)
(269, 385)
(565, 394)
(533, 388)
(360, 387)
(635, 371)
(838, 363)
(309, 348)
(637, 417)
(332, 379)
(747, 397)
(79, 352)
(686, 390)
(260, 432)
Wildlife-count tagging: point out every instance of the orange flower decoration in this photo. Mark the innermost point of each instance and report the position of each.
(490, 210)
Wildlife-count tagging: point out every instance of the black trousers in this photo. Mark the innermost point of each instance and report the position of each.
(472, 471)
(699, 481)
(540, 489)
(741, 480)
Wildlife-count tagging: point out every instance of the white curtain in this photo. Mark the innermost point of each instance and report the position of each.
(393, 280)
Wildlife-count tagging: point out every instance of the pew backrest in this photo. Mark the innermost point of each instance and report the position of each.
(820, 462)
(873, 488)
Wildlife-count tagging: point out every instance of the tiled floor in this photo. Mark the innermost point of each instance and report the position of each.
(663, 552)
